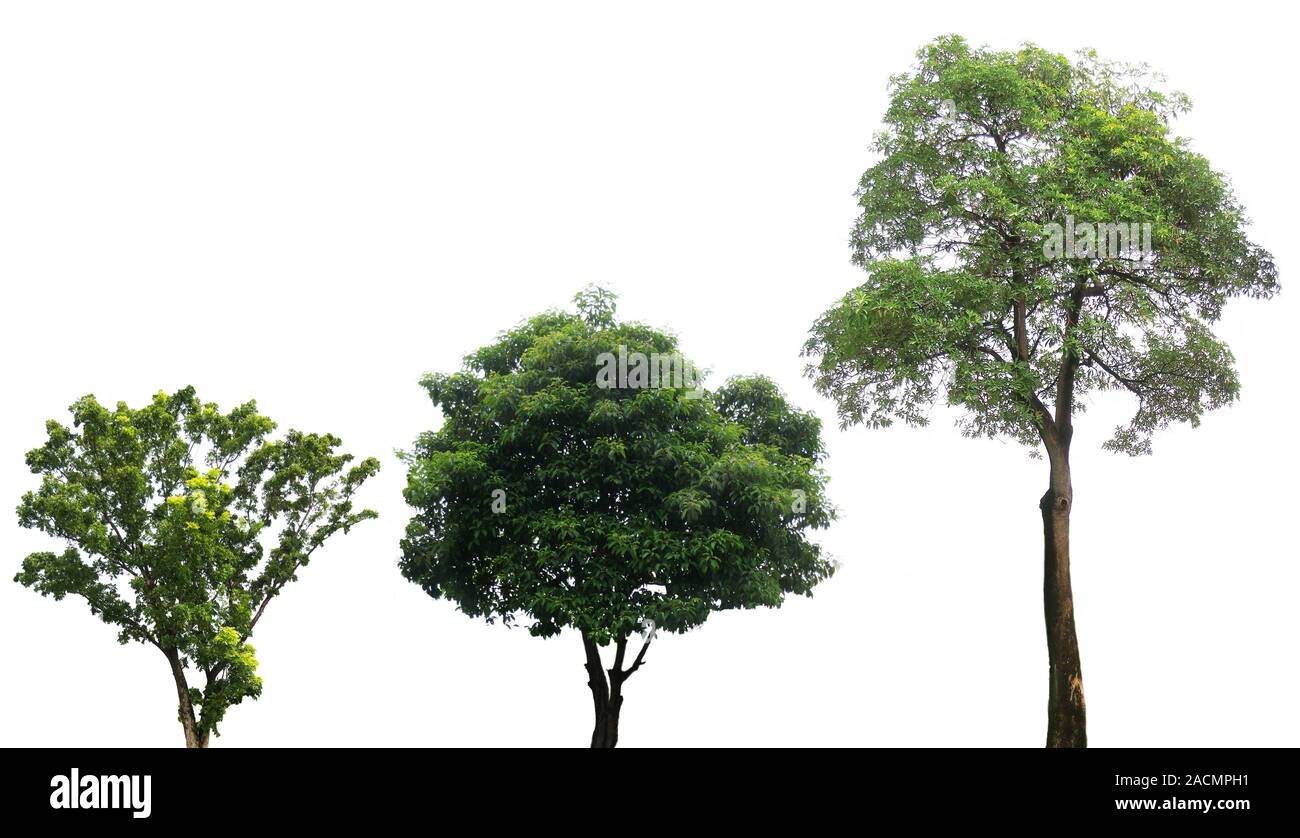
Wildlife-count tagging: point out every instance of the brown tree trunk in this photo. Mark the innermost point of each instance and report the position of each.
(1066, 711)
(193, 737)
(607, 694)
(605, 732)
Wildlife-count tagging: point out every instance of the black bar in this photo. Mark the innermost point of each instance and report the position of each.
(374, 786)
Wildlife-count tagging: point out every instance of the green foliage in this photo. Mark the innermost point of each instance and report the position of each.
(621, 506)
(165, 510)
(982, 152)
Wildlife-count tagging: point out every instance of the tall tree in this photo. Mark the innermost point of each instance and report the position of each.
(172, 554)
(1033, 231)
(581, 479)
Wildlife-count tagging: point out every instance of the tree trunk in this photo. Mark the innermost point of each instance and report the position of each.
(193, 737)
(1066, 712)
(606, 695)
(605, 733)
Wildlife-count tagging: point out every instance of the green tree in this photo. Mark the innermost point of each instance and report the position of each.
(164, 511)
(1032, 232)
(558, 493)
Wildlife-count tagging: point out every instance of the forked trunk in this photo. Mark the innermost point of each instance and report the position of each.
(607, 693)
(1066, 711)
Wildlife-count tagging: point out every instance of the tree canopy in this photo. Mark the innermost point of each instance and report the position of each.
(165, 511)
(553, 500)
(974, 294)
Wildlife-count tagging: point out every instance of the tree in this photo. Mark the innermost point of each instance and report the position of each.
(583, 479)
(1032, 232)
(172, 554)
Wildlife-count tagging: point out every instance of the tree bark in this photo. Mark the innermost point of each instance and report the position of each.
(605, 732)
(1066, 710)
(607, 698)
(607, 693)
(193, 737)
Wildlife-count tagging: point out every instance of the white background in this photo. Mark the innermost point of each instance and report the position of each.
(314, 203)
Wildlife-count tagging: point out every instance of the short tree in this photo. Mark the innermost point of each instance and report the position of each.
(583, 479)
(1034, 232)
(172, 553)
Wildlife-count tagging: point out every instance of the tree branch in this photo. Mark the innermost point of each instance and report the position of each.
(640, 659)
(1126, 383)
